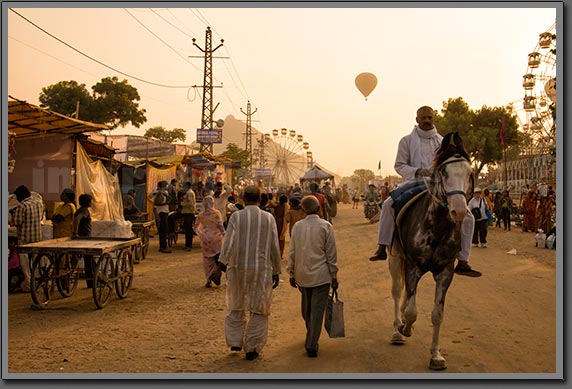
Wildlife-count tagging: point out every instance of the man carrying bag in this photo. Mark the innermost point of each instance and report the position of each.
(312, 265)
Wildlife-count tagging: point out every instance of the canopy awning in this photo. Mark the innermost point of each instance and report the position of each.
(27, 120)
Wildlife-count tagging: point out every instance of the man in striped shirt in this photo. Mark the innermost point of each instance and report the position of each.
(250, 255)
(27, 216)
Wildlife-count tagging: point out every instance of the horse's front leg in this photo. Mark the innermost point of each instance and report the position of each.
(397, 291)
(442, 283)
(412, 277)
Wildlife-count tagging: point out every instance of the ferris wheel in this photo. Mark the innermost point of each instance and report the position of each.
(287, 155)
(537, 109)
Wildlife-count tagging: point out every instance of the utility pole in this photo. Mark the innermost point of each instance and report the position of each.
(249, 114)
(261, 143)
(208, 110)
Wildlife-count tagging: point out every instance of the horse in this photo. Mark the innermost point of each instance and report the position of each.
(427, 238)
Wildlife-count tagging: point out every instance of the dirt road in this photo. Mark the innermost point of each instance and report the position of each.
(502, 322)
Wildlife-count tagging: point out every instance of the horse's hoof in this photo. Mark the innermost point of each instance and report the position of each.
(405, 331)
(437, 364)
(397, 338)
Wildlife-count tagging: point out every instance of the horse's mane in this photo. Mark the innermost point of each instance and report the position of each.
(451, 145)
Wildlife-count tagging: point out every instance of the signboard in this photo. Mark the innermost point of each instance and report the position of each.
(207, 135)
(263, 172)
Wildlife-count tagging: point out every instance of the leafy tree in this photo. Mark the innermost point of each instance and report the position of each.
(116, 102)
(480, 131)
(63, 97)
(361, 177)
(112, 103)
(160, 133)
(236, 153)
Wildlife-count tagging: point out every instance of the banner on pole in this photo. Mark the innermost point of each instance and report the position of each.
(209, 135)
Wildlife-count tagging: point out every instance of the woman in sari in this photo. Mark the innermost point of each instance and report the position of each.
(210, 229)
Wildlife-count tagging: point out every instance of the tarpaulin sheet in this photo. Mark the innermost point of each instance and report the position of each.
(42, 164)
(92, 178)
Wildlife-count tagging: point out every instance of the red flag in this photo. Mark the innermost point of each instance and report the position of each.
(502, 131)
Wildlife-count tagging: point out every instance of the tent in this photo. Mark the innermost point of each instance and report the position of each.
(316, 174)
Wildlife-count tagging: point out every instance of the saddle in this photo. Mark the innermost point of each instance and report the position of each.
(405, 193)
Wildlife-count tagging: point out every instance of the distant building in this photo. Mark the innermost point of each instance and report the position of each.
(136, 147)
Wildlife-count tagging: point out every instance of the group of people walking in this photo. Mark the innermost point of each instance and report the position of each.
(251, 257)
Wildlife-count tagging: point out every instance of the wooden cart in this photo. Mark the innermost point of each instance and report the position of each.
(141, 230)
(55, 263)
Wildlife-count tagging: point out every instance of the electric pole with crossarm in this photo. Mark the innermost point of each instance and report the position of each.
(208, 109)
(249, 114)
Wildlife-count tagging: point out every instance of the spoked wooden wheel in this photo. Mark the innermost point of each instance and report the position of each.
(137, 253)
(138, 249)
(124, 272)
(145, 242)
(67, 273)
(103, 280)
(42, 278)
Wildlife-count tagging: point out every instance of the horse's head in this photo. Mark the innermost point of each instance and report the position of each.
(453, 180)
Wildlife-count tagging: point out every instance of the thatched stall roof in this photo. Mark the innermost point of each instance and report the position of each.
(27, 121)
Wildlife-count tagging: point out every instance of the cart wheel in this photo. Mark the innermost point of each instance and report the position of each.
(145, 242)
(124, 272)
(103, 280)
(42, 278)
(137, 253)
(67, 274)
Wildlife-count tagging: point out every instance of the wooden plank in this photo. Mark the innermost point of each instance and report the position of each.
(84, 246)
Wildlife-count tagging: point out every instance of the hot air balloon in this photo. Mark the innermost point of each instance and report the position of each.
(366, 83)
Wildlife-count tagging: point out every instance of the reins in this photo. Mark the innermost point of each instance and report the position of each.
(442, 202)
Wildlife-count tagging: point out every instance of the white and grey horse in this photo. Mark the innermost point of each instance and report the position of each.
(428, 239)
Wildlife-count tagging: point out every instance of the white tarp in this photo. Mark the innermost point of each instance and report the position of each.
(94, 179)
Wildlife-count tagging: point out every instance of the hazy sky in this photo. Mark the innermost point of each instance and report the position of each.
(296, 65)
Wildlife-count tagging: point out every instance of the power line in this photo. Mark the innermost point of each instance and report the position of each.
(159, 38)
(171, 24)
(51, 56)
(96, 60)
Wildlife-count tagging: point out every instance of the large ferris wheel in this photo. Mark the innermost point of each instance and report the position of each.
(286, 154)
(536, 111)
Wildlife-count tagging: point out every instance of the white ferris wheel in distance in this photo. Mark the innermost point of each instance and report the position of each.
(287, 155)
(535, 112)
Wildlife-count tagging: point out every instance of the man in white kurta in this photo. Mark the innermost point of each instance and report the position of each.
(414, 160)
(250, 254)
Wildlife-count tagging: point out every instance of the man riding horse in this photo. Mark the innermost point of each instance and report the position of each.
(414, 162)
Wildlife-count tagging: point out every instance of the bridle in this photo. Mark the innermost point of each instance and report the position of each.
(439, 176)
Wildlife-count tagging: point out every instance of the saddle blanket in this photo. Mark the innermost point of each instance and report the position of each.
(402, 194)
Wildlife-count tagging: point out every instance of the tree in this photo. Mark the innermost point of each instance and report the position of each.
(112, 103)
(237, 154)
(116, 102)
(362, 177)
(64, 96)
(480, 131)
(160, 133)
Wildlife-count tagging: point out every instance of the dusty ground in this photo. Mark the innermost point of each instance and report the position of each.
(503, 322)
